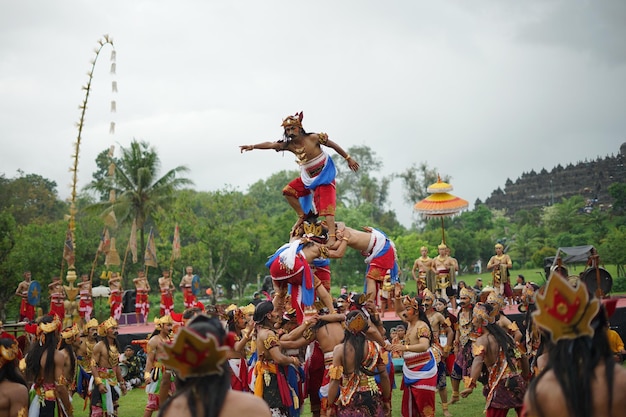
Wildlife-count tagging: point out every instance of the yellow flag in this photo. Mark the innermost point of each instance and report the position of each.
(149, 257)
(133, 241)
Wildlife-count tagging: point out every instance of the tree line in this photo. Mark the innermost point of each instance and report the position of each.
(227, 235)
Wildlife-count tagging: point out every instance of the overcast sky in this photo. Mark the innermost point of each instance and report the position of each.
(480, 90)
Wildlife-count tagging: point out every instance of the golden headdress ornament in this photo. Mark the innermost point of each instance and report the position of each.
(411, 302)
(160, 321)
(192, 355)
(482, 312)
(428, 295)
(91, 324)
(8, 354)
(357, 323)
(106, 325)
(230, 308)
(442, 246)
(70, 332)
(312, 229)
(46, 328)
(564, 311)
(466, 292)
(248, 310)
(495, 299)
(499, 246)
(295, 120)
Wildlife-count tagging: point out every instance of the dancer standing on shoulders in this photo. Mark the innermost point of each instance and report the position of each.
(317, 170)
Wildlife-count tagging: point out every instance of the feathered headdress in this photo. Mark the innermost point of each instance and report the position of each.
(564, 311)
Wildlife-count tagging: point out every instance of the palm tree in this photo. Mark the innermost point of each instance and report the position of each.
(139, 192)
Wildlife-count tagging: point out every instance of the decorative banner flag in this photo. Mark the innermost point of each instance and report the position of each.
(68, 248)
(176, 243)
(105, 242)
(112, 258)
(149, 257)
(133, 240)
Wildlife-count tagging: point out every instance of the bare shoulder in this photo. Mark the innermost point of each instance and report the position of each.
(239, 404)
(178, 408)
(338, 351)
(18, 393)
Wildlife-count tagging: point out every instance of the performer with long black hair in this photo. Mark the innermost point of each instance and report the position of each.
(13, 387)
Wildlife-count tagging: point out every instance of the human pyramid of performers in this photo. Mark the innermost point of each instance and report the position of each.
(302, 344)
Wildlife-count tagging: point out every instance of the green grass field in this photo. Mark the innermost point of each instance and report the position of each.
(133, 404)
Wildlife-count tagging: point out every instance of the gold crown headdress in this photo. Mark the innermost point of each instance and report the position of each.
(496, 299)
(428, 295)
(160, 321)
(529, 293)
(466, 292)
(192, 355)
(499, 246)
(46, 328)
(230, 308)
(312, 229)
(106, 325)
(442, 246)
(423, 247)
(91, 324)
(411, 302)
(564, 311)
(481, 312)
(70, 332)
(295, 120)
(357, 323)
(248, 310)
(8, 354)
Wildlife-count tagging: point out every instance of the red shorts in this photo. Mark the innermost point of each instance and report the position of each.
(324, 196)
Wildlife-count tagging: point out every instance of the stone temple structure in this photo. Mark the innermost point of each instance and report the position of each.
(590, 179)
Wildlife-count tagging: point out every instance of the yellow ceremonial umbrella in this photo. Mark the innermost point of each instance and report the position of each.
(440, 204)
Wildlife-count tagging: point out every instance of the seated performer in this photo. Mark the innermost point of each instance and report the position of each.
(353, 390)
(203, 378)
(317, 170)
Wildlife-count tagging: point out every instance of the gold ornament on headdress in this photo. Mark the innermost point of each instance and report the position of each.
(248, 310)
(564, 311)
(49, 327)
(312, 229)
(160, 321)
(192, 355)
(70, 332)
(466, 292)
(106, 325)
(230, 308)
(295, 120)
(428, 295)
(498, 246)
(8, 354)
(496, 299)
(442, 246)
(91, 324)
(410, 302)
(481, 312)
(357, 323)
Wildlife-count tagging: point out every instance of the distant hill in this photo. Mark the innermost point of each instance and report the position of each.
(590, 179)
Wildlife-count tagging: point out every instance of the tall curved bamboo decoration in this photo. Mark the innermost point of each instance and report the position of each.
(71, 310)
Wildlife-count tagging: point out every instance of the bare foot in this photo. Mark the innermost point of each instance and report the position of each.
(454, 399)
(447, 413)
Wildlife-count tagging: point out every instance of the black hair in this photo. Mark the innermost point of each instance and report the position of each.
(208, 391)
(357, 341)
(573, 362)
(10, 372)
(261, 310)
(36, 351)
(505, 341)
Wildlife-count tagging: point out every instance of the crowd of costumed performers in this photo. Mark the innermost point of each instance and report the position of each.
(301, 348)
